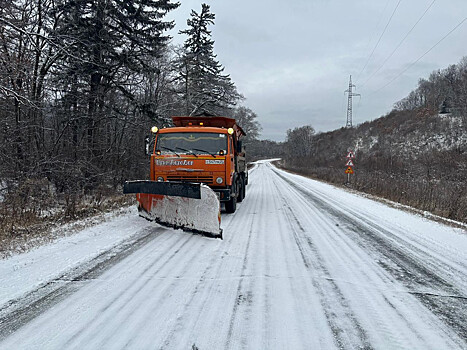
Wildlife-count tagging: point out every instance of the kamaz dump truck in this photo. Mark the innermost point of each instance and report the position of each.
(195, 165)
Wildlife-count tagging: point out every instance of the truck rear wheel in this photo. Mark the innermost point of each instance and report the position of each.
(241, 190)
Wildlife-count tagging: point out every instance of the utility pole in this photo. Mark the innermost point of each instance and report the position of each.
(349, 103)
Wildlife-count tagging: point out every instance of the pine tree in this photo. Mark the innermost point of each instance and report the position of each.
(110, 45)
(204, 87)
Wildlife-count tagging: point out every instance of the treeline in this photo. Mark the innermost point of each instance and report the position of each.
(264, 149)
(415, 155)
(82, 82)
(445, 89)
(255, 149)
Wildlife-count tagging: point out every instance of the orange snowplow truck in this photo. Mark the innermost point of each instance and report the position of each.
(204, 150)
(200, 155)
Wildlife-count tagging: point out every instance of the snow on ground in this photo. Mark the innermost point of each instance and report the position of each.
(303, 265)
(26, 272)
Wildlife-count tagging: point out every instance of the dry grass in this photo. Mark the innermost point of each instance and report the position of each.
(444, 201)
(30, 213)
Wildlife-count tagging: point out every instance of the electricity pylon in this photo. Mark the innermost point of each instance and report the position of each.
(349, 103)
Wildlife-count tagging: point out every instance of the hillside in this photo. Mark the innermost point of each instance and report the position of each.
(415, 155)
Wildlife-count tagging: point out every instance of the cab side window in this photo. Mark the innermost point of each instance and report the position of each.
(231, 145)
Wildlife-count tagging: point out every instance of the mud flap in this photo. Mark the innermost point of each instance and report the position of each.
(191, 207)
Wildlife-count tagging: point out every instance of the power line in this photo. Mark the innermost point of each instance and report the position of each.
(400, 43)
(418, 59)
(380, 37)
(374, 31)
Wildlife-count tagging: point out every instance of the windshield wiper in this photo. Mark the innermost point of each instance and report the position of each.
(187, 150)
(203, 150)
(171, 150)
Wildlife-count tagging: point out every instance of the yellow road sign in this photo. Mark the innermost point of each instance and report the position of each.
(349, 170)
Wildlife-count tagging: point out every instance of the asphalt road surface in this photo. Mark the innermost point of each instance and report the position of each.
(303, 265)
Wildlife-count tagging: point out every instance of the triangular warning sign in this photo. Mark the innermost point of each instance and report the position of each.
(349, 163)
(350, 155)
(349, 170)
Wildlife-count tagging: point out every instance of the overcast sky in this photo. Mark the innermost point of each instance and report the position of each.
(292, 59)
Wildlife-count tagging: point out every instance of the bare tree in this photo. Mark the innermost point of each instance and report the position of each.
(247, 119)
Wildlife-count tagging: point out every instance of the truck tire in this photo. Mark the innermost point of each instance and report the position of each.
(231, 205)
(241, 190)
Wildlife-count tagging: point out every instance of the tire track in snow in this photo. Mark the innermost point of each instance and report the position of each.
(384, 239)
(233, 317)
(223, 263)
(80, 294)
(105, 316)
(203, 293)
(447, 303)
(415, 246)
(305, 298)
(158, 297)
(347, 259)
(23, 310)
(253, 307)
(347, 331)
(283, 300)
(200, 288)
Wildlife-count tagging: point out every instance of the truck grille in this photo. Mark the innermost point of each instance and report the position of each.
(203, 179)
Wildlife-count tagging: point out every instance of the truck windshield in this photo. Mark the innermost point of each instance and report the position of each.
(192, 142)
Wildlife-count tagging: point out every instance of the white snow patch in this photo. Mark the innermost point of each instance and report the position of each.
(23, 273)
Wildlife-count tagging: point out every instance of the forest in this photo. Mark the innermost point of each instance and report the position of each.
(415, 155)
(81, 84)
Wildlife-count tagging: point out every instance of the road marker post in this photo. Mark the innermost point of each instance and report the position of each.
(349, 171)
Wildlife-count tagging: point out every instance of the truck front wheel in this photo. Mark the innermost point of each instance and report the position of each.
(231, 205)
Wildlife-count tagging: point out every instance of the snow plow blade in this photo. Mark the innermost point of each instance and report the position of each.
(188, 206)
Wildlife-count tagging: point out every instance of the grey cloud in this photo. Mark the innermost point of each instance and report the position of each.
(292, 60)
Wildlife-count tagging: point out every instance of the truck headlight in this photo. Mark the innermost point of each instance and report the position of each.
(219, 180)
(160, 179)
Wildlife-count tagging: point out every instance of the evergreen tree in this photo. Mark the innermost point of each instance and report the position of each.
(204, 87)
(110, 45)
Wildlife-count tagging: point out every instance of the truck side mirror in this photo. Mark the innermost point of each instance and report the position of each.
(146, 145)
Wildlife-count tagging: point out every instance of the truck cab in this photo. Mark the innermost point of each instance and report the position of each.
(204, 150)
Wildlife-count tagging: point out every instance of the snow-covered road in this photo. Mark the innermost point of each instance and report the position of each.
(303, 265)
